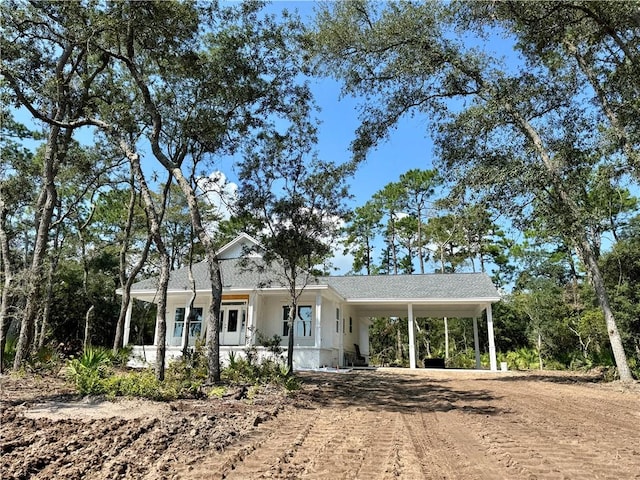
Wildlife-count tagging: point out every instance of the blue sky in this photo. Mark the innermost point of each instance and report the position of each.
(409, 146)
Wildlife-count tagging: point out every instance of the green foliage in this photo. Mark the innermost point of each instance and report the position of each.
(9, 351)
(462, 359)
(122, 356)
(241, 371)
(45, 358)
(522, 359)
(217, 392)
(141, 384)
(88, 373)
(272, 344)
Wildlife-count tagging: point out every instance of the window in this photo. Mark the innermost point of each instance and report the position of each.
(350, 325)
(337, 320)
(232, 321)
(195, 322)
(302, 323)
(178, 319)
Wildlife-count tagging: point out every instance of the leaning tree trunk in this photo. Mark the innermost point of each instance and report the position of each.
(581, 243)
(46, 203)
(585, 252)
(155, 232)
(127, 282)
(213, 335)
(48, 298)
(192, 300)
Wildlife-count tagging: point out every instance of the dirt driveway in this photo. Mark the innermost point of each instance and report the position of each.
(386, 424)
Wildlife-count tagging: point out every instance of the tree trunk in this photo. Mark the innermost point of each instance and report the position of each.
(585, 252)
(540, 351)
(46, 313)
(398, 344)
(213, 336)
(155, 232)
(618, 129)
(582, 245)
(8, 278)
(293, 312)
(187, 320)
(213, 333)
(44, 211)
(87, 327)
(161, 316)
(126, 282)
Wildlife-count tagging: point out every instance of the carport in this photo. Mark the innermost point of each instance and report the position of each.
(453, 295)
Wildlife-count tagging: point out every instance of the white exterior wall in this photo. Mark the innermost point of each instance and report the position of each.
(264, 314)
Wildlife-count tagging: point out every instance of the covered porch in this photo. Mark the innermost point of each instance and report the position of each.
(449, 295)
(420, 309)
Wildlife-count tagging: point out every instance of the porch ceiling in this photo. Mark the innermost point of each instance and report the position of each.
(421, 310)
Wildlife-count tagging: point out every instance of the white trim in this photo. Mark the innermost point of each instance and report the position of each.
(412, 337)
(492, 344)
(426, 301)
(318, 319)
(127, 323)
(236, 241)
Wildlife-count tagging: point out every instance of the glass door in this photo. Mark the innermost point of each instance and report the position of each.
(231, 324)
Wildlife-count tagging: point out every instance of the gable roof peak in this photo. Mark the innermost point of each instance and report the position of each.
(236, 248)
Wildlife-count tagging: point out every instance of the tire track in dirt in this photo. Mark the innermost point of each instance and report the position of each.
(541, 436)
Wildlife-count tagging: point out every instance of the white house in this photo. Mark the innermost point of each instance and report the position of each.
(334, 313)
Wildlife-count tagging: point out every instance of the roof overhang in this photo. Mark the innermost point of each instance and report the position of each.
(453, 307)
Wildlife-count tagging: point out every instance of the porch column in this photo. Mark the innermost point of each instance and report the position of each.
(476, 342)
(184, 341)
(318, 335)
(156, 332)
(251, 320)
(492, 344)
(127, 324)
(412, 338)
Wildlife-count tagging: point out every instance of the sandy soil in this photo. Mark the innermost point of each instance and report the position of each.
(387, 424)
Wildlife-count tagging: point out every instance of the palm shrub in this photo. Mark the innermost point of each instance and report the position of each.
(89, 371)
(523, 359)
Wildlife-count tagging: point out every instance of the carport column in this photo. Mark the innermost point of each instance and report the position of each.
(476, 342)
(492, 344)
(412, 338)
(127, 324)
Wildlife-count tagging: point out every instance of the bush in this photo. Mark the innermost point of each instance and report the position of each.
(241, 371)
(142, 384)
(90, 370)
(92, 374)
(46, 359)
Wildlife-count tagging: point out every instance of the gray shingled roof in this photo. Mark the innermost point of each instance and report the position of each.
(400, 287)
(233, 276)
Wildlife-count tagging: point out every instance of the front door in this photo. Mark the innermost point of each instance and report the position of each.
(231, 324)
